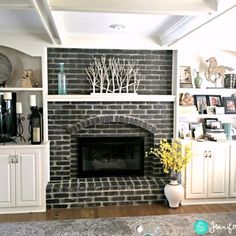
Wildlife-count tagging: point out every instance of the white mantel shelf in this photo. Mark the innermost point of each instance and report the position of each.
(21, 89)
(111, 98)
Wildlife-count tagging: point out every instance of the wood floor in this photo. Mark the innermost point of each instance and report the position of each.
(118, 211)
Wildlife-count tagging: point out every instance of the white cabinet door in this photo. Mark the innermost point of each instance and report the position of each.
(233, 170)
(7, 179)
(207, 175)
(218, 171)
(28, 178)
(196, 173)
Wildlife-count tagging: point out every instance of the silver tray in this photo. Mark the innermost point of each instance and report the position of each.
(6, 68)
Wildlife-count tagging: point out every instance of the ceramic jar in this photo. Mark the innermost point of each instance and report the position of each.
(174, 193)
(197, 80)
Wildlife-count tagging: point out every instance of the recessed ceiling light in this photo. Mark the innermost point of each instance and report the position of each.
(117, 26)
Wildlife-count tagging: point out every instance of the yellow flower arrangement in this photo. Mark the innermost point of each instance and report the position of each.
(174, 156)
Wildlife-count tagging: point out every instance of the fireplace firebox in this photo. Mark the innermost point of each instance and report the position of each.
(110, 156)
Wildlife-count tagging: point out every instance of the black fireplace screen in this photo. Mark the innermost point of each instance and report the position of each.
(113, 156)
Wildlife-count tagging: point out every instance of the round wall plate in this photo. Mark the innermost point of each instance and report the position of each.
(6, 68)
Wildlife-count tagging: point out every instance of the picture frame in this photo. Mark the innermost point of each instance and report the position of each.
(215, 124)
(200, 102)
(230, 105)
(207, 122)
(184, 131)
(214, 100)
(211, 110)
(185, 76)
(196, 130)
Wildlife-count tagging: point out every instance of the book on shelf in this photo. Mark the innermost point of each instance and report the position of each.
(214, 130)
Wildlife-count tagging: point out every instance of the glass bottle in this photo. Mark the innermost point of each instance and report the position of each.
(36, 126)
(62, 80)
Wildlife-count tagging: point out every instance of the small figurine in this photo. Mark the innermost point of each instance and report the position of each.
(215, 71)
(186, 99)
(26, 79)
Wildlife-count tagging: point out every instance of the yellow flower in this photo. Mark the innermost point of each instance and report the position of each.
(174, 156)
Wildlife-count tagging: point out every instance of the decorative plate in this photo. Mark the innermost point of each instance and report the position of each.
(5, 68)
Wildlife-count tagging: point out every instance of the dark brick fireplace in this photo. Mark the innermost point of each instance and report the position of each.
(68, 121)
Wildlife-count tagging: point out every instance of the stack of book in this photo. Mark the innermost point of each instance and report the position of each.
(217, 135)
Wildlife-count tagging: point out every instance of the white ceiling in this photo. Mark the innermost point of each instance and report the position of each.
(165, 20)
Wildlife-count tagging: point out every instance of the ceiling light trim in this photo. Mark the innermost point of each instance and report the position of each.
(171, 43)
(44, 13)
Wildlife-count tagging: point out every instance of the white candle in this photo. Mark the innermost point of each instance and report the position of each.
(18, 108)
(7, 96)
(33, 100)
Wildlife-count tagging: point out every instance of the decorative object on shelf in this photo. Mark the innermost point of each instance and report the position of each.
(32, 100)
(174, 157)
(35, 122)
(62, 90)
(219, 110)
(211, 110)
(26, 79)
(230, 105)
(36, 126)
(185, 77)
(20, 129)
(6, 69)
(197, 79)
(7, 116)
(229, 130)
(201, 103)
(216, 72)
(114, 75)
(196, 130)
(207, 122)
(230, 81)
(184, 131)
(186, 99)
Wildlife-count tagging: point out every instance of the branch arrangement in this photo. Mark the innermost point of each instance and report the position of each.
(113, 75)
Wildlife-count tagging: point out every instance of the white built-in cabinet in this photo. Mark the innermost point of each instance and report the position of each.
(210, 177)
(22, 178)
(233, 170)
(24, 168)
(207, 175)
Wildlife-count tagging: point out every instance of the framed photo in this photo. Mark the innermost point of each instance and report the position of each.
(208, 122)
(215, 124)
(211, 110)
(185, 75)
(197, 130)
(184, 131)
(214, 100)
(186, 99)
(201, 103)
(230, 105)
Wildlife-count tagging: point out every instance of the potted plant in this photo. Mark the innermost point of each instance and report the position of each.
(174, 157)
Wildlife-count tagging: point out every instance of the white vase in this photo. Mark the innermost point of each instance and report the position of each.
(174, 193)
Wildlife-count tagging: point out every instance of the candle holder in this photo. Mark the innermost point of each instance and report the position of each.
(29, 118)
(20, 129)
